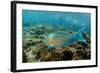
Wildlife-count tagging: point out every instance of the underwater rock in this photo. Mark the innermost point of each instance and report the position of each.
(24, 56)
(39, 29)
(80, 44)
(28, 43)
(67, 55)
(42, 51)
(86, 37)
(51, 56)
(60, 54)
(39, 32)
(32, 32)
(85, 45)
(36, 50)
(32, 53)
(31, 56)
(36, 40)
(79, 52)
(87, 54)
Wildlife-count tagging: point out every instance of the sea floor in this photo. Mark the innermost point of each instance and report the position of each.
(35, 50)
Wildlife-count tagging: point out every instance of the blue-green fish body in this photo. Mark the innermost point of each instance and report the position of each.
(61, 39)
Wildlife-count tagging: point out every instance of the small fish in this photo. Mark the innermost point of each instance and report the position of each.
(61, 39)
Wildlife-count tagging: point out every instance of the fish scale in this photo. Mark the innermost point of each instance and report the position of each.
(61, 39)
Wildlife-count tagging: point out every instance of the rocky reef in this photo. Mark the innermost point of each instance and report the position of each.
(35, 50)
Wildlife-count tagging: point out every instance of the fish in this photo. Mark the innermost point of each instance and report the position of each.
(61, 39)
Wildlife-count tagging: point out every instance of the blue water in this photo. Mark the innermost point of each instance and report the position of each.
(70, 20)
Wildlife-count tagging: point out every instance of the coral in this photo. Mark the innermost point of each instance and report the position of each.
(35, 50)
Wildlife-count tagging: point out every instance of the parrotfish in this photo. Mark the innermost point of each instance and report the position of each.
(61, 39)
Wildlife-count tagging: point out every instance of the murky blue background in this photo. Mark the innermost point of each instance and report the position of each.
(70, 20)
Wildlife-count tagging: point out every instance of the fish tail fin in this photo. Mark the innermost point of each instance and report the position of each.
(79, 33)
